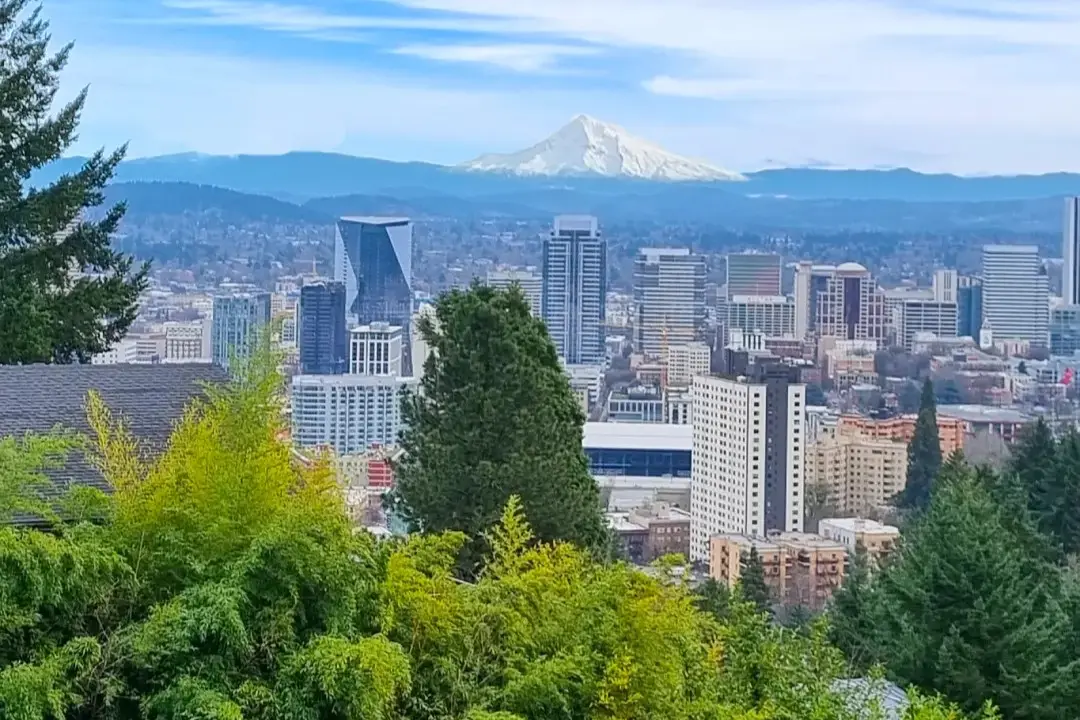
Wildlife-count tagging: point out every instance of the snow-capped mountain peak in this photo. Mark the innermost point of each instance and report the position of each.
(589, 146)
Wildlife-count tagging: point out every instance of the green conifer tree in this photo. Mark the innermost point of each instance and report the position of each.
(924, 454)
(853, 614)
(752, 582)
(495, 417)
(968, 612)
(1035, 465)
(65, 294)
(1062, 522)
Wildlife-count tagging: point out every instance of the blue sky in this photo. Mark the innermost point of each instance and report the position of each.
(964, 86)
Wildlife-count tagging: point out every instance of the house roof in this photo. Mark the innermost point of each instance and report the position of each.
(149, 398)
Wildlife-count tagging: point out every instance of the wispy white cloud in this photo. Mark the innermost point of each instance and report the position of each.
(518, 57)
(306, 19)
(961, 85)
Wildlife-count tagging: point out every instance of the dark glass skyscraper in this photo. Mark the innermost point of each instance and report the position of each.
(969, 308)
(373, 258)
(323, 334)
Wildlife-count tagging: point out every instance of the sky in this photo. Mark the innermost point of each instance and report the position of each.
(964, 86)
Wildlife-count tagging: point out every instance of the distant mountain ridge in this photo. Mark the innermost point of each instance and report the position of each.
(698, 203)
(301, 176)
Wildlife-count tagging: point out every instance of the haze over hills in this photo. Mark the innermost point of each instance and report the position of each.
(300, 176)
(587, 146)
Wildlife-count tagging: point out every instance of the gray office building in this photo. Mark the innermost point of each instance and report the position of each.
(235, 326)
(1070, 251)
(757, 274)
(575, 288)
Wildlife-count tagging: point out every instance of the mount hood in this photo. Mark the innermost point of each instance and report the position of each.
(587, 146)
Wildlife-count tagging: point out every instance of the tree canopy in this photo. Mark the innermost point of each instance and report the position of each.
(969, 606)
(223, 580)
(924, 453)
(495, 417)
(65, 294)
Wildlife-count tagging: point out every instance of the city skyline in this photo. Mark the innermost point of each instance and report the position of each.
(742, 85)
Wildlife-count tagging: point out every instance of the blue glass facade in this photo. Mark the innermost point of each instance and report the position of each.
(323, 334)
(235, 326)
(639, 463)
(969, 311)
(378, 270)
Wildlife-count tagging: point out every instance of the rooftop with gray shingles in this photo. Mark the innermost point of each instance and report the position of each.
(149, 398)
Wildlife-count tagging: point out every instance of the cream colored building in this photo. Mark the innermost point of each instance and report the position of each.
(684, 362)
(734, 448)
(771, 315)
(877, 539)
(859, 473)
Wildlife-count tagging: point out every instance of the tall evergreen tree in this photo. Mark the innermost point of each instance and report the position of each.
(1035, 466)
(752, 582)
(966, 611)
(1062, 521)
(853, 615)
(65, 294)
(924, 454)
(495, 417)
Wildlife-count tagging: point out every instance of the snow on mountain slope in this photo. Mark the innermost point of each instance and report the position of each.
(589, 146)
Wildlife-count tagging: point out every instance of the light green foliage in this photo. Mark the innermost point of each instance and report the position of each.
(222, 581)
(494, 417)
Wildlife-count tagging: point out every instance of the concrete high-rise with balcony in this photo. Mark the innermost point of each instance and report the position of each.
(669, 299)
(773, 316)
(1015, 288)
(323, 331)
(851, 306)
(575, 289)
(528, 280)
(747, 475)
(685, 362)
(800, 568)
(236, 324)
(1070, 251)
(754, 274)
(858, 474)
(353, 412)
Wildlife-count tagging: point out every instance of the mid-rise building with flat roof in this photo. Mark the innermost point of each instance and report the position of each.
(800, 568)
(876, 539)
(684, 362)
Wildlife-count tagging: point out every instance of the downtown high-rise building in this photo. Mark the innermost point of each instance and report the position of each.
(323, 333)
(757, 274)
(1070, 251)
(669, 299)
(851, 306)
(810, 282)
(575, 289)
(748, 448)
(530, 282)
(1015, 294)
(361, 409)
(236, 323)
